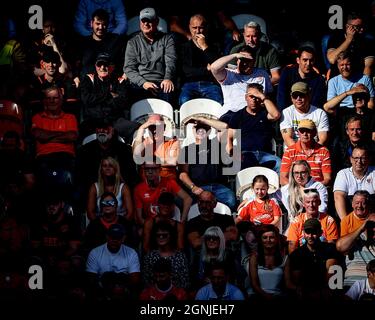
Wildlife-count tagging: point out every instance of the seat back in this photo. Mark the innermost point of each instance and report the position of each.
(141, 109)
(220, 208)
(201, 107)
(11, 118)
(245, 177)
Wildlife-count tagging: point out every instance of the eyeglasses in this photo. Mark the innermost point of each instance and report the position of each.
(108, 203)
(305, 130)
(295, 95)
(162, 235)
(145, 20)
(300, 173)
(212, 238)
(311, 231)
(363, 159)
(102, 64)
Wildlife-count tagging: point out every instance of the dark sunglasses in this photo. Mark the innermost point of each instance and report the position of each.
(145, 20)
(303, 130)
(295, 95)
(108, 203)
(308, 190)
(102, 64)
(212, 238)
(311, 231)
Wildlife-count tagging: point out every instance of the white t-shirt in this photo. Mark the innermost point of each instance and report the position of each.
(235, 84)
(101, 260)
(358, 289)
(290, 118)
(346, 182)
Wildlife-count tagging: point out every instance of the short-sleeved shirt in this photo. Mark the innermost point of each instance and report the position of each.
(359, 288)
(346, 181)
(145, 197)
(255, 211)
(234, 87)
(63, 123)
(329, 228)
(200, 225)
(290, 119)
(350, 223)
(153, 293)
(319, 160)
(338, 85)
(101, 260)
(231, 293)
(256, 130)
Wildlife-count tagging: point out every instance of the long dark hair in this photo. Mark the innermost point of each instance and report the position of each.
(165, 226)
(260, 231)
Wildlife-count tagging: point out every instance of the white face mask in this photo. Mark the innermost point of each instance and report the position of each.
(102, 137)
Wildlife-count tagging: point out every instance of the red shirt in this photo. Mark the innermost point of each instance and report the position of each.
(152, 293)
(255, 210)
(145, 197)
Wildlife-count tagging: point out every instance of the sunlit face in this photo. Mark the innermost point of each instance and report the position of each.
(360, 206)
(306, 62)
(359, 160)
(99, 27)
(354, 131)
(253, 102)
(245, 66)
(269, 239)
(311, 204)
(300, 174)
(345, 67)
(357, 24)
(260, 189)
(300, 100)
(306, 135)
(197, 26)
(50, 67)
(251, 37)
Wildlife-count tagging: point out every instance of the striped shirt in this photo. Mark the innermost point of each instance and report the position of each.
(319, 159)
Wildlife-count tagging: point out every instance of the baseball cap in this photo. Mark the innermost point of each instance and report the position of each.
(307, 123)
(103, 57)
(312, 224)
(300, 87)
(51, 56)
(116, 231)
(148, 13)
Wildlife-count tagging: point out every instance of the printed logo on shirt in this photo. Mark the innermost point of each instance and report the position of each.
(147, 195)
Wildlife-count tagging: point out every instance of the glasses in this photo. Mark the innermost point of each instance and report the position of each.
(300, 173)
(311, 231)
(304, 130)
(162, 235)
(108, 203)
(145, 20)
(295, 95)
(212, 238)
(356, 159)
(307, 190)
(102, 64)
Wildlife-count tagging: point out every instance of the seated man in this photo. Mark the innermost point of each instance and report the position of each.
(311, 202)
(254, 124)
(55, 133)
(360, 176)
(309, 264)
(150, 60)
(299, 110)
(202, 169)
(363, 287)
(113, 256)
(147, 193)
(219, 288)
(357, 240)
(150, 141)
(306, 148)
(197, 226)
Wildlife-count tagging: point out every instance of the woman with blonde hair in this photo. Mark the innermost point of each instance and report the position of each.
(109, 180)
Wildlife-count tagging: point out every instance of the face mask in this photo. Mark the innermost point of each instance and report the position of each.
(102, 137)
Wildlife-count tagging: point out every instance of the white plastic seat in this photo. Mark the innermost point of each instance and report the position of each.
(141, 109)
(241, 19)
(200, 107)
(245, 177)
(220, 208)
(133, 26)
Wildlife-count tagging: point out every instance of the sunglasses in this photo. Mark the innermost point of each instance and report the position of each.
(308, 190)
(295, 95)
(304, 130)
(102, 64)
(311, 231)
(145, 20)
(212, 238)
(108, 203)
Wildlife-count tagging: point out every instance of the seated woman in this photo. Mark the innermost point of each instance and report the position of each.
(109, 180)
(164, 243)
(166, 211)
(292, 193)
(266, 266)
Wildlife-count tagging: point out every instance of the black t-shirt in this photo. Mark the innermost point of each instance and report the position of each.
(200, 225)
(256, 130)
(313, 264)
